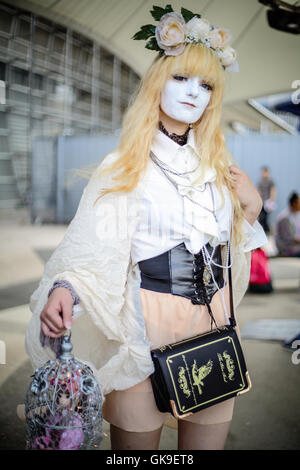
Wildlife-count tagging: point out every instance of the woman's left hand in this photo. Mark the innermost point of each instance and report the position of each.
(247, 193)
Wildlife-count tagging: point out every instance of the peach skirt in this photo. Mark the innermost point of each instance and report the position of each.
(168, 318)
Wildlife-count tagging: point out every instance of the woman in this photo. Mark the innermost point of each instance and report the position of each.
(170, 187)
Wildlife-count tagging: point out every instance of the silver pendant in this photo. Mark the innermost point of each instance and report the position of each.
(206, 276)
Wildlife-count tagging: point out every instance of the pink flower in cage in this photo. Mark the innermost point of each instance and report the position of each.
(42, 443)
(71, 439)
(68, 438)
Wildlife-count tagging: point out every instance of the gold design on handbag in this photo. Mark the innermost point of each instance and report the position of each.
(190, 379)
(229, 365)
(183, 382)
(206, 275)
(200, 373)
(222, 367)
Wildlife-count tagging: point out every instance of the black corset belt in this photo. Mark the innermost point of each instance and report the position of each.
(180, 272)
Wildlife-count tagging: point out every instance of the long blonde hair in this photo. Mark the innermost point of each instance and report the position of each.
(141, 119)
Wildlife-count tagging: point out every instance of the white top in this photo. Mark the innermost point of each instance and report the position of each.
(169, 219)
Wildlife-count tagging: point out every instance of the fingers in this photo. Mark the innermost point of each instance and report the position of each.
(235, 174)
(52, 317)
(49, 327)
(47, 332)
(67, 314)
(57, 315)
(235, 170)
(44, 328)
(239, 178)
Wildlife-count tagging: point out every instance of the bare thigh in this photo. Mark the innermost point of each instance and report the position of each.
(192, 436)
(128, 440)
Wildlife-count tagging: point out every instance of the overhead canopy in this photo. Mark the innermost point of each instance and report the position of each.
(268, 58)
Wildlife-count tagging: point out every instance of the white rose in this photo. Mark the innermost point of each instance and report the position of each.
(219, 37)
(227, 56)
(169, 33)
(198, 28)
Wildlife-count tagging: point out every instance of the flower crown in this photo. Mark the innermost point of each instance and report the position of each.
(175, 31)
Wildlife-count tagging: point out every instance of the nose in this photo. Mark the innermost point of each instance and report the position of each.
(193, 87)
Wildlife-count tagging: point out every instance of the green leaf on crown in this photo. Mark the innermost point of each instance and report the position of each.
(145, 32)
(188, 15)
(158, 12)
(152, 44)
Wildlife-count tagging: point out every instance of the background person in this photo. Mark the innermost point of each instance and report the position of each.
(287, 230)
(267, 190)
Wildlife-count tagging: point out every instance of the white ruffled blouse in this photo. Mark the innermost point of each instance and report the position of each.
(194, 215)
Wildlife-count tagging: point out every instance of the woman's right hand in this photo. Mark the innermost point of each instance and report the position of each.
(57, 313)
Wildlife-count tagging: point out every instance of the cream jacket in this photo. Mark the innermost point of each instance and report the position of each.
(108, 331)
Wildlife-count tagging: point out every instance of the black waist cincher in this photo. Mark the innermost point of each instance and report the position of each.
(179, 272)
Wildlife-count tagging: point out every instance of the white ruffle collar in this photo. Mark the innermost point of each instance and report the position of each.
(182, 158)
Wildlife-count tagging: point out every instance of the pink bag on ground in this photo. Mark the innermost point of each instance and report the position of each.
(260, 274)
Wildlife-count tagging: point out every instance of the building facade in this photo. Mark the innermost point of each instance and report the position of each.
(53, 81)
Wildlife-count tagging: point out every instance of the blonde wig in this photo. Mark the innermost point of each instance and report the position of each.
(140, 123)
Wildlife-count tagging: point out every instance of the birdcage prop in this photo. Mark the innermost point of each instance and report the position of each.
(64, 405)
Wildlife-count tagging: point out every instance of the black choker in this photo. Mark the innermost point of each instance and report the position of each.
(179, 139)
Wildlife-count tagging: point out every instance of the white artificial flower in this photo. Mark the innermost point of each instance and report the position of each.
(219, 37)
(227, 56)
(197, 28)
(170, 33)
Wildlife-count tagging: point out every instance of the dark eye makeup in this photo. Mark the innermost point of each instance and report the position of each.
(182, 78)
(208, 86)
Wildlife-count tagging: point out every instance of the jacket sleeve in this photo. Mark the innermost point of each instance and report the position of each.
(241, 263)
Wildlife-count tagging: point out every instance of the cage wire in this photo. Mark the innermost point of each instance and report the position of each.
(63, 405)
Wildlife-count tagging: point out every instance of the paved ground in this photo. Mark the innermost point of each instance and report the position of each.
(266, 418)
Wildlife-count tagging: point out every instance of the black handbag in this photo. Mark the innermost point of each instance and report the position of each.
(201, 371)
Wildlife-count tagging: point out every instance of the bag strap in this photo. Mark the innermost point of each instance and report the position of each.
(232, 316)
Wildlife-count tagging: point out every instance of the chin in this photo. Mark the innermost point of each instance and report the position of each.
(183, 119)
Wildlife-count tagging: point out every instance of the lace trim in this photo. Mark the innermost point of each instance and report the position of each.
(179, 139)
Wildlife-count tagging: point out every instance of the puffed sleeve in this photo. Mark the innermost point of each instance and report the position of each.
(94, 257)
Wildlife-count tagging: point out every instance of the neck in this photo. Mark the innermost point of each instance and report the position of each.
(173, 126)
(179, 139)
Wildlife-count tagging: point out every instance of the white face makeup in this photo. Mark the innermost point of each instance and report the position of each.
(185, 98)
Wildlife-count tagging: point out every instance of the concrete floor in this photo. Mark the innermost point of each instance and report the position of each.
(268, 417)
